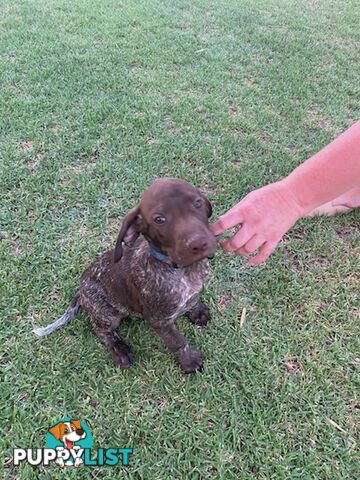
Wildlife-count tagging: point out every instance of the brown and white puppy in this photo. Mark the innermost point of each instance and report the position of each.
(68, 433)
(156, 270)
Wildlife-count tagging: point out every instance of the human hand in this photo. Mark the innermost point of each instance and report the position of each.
(265, 215)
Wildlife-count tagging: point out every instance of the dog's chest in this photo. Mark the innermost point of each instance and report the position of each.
(166, 292)
(184, 288)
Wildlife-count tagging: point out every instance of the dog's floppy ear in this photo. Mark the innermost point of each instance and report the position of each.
(56, 431)
(208, 207)
(207, 203)
(129, 232)
(76, 424)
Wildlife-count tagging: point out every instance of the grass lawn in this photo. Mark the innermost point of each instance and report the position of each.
(98, 98)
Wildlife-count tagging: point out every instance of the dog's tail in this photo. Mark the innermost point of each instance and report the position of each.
(70, 313)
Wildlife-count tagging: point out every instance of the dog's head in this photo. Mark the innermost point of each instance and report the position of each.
(68, 432)
(173, 217)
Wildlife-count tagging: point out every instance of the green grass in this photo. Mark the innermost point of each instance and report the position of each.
(98, 99)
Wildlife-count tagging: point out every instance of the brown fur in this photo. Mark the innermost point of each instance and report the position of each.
(130, 281)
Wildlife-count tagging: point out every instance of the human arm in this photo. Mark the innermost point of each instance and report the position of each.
(267, 213)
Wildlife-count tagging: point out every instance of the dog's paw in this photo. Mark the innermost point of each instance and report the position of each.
(199, 315)
(190, 359)
(122, 355)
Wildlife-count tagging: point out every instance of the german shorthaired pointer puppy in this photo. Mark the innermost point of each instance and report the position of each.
(157, 275)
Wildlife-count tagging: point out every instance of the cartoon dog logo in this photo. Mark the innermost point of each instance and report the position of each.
(68, 433)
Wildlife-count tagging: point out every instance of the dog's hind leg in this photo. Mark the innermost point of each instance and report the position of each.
(104, 319)
(199, 314)
(121, 352)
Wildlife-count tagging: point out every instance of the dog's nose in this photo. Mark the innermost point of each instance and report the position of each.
(198, 245)
(80, 431)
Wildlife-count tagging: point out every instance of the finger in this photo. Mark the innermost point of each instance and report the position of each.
(237, 241)
(253, 244)
(265, 251)
(228, 220)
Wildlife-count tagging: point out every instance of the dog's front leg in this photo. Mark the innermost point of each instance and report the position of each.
(189, 359)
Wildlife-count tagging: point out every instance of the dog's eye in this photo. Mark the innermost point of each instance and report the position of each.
(159, 219)
(198, 203)
(66, 430)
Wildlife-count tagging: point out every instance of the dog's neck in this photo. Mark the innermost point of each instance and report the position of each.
(160, 256)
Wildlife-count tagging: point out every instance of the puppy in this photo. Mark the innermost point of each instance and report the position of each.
(68, 433)
(156, 271)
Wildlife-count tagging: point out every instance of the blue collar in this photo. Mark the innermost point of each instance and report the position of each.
(154, 252)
